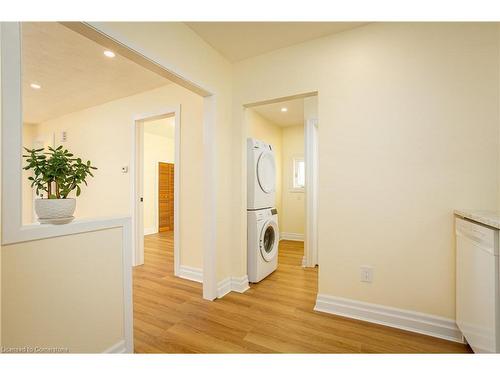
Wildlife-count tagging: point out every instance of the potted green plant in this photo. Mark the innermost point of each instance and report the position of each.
(56, 173)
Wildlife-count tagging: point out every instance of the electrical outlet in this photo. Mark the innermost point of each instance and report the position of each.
(366, 274)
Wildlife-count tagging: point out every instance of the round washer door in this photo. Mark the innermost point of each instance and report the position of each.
(269, 238)
(266, 172)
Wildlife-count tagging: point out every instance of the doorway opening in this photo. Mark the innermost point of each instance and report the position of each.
(96, 122)
(156, 175)
(282, 184)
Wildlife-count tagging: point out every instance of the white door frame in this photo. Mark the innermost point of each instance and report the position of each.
(311, 190)
(311, 256)
(137, 180)
(210, 199)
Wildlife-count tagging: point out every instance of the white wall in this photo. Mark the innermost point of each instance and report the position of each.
(293, 215)
(409, 130)
(64, 292)
(103, 134)
(158, 147)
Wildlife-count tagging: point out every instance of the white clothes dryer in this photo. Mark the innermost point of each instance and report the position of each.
(261, 175)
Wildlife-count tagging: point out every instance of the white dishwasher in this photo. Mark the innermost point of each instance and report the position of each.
(478, 285)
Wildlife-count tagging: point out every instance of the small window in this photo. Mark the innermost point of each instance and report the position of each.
(299, 173)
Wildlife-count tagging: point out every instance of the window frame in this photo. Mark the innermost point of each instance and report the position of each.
(296, 160)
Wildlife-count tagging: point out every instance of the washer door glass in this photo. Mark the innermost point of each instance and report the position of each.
(266, 172)
(269, 240)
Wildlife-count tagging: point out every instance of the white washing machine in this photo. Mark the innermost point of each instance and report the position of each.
(261, 175)
(262, 243)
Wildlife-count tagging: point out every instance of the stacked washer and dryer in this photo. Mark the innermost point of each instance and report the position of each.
(262, 216)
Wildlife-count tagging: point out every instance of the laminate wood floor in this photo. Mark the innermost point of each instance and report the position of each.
(274, 316)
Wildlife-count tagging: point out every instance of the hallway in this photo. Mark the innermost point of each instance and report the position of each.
(275, 315)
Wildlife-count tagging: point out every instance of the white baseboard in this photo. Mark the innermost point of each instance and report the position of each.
(232, 284)
(148, 231)
(407, 320)
(223, 287)
(229, 284)
(119, 347)
(304, 261)
(191, 273)
(240, 284)
(291, 236)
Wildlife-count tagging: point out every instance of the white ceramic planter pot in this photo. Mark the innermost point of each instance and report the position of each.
(55, 211)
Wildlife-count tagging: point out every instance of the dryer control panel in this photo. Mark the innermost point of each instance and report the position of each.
(265, 214)
(258, 144)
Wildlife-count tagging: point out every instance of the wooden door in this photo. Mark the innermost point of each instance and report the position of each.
(165, 197)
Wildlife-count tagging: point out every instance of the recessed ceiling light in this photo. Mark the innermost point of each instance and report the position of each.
(284, 109)
(109, 54)
(35, 86)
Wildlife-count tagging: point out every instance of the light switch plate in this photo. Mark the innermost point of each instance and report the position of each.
(366, 274)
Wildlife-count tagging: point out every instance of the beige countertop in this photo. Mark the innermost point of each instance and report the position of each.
(491, 218)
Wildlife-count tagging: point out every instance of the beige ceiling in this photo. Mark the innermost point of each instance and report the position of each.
(293, 116)
(240, 40)
(74, 73)
(164, 127)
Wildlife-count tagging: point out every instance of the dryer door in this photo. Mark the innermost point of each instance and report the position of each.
(266, 172)
(269, 238)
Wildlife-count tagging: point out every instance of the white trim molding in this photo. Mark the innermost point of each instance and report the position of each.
(210, 199)
(229, 284)
(240, 284)
(223, 287)
(151, 230)
(128, 306)
(191, 273)
(232, 284)
(291, 236)
(407, 320)
(312, 167)
(119, 347)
